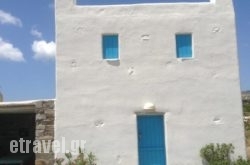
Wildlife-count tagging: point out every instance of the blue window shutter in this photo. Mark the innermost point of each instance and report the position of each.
(151, 140)
(110, 46)
(184, 45)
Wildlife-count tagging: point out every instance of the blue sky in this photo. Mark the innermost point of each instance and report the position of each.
(27, 73)
(27, 47)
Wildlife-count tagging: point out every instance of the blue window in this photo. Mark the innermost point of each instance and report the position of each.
(184, 45)
(151, 140)
(110, 48)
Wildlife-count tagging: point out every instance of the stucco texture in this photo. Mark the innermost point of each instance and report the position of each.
(97, 100)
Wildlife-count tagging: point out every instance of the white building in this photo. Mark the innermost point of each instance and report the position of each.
(148, 84)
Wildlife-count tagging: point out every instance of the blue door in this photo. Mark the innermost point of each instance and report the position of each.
(151, 141)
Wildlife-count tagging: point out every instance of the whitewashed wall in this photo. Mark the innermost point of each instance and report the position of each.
(97, 99)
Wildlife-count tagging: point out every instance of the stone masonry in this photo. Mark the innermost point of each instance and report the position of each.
(45, 129)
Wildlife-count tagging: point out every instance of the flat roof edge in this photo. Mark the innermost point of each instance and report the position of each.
(143, 4)
(21, 106)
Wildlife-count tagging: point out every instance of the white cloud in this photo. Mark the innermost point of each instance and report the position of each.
(36, 33)
(7, 18)
(9, 52)
(44, 49)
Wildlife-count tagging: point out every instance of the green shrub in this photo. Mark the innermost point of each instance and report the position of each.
(246, 107)
(83, 158)
(220, 154)
(241, 161)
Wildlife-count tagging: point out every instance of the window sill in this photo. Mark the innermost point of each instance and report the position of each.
(185, 59)
(117, 59)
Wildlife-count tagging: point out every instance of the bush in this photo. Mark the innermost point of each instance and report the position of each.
(246, 107)
(83, 158)
(220, 154)
(241, 161)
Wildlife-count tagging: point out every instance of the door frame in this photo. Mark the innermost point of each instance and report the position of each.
(150, 113)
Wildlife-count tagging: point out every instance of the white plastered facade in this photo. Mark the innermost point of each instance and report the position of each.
(97, 100)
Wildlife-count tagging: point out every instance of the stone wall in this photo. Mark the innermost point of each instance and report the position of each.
(45, 129)
(35, 116)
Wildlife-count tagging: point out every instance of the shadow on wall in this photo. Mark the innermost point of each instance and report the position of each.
(114, 63)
